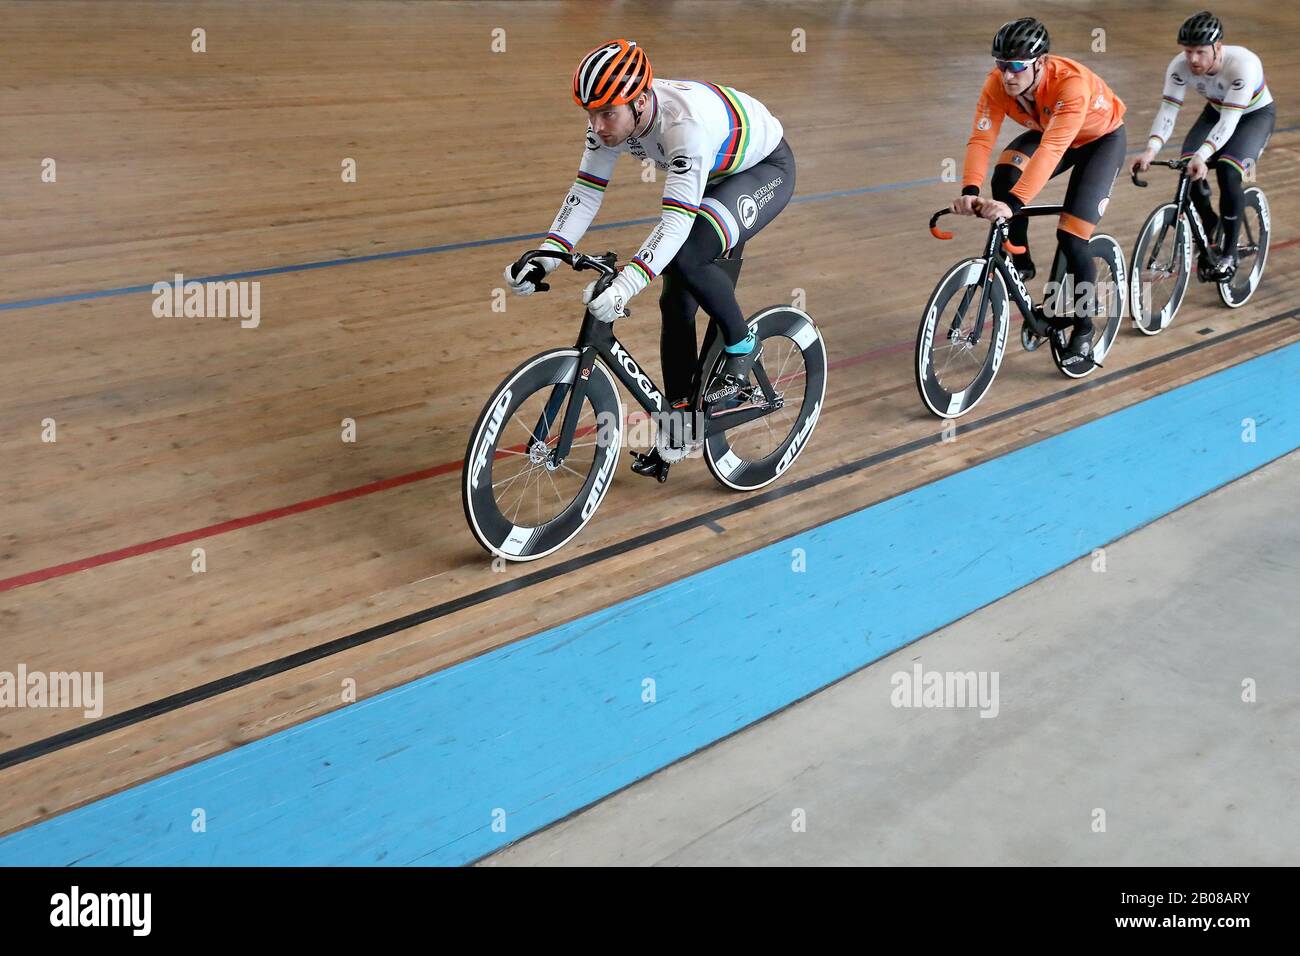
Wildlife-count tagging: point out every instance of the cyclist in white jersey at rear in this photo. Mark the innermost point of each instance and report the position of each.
(727, 171)
(1233, 128)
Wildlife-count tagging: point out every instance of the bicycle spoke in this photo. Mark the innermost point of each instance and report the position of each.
(572, 472)
(514, 517)
(955, 354)
(533, 479)
(528, 429)
(784, 362)
(513, 478)
(558, 497)
(507, 482)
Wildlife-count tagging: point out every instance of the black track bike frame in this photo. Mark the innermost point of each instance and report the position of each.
(596, 340)
(995, 258)
(1183, 200)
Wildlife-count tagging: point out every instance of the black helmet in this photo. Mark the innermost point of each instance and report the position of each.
(1200, 29)
(1021, 39)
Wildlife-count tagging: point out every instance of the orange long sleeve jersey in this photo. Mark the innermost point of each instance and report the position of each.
(1072, 106)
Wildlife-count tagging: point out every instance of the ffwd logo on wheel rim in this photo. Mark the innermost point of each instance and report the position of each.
(494, 426)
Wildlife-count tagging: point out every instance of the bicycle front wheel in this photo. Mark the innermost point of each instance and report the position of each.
(1161, 269)
(521, 505)
(954, 367)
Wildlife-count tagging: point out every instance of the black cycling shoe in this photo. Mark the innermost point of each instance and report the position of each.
(650, 465)
(1225, 268)
(1077, 355)
(1024, 264)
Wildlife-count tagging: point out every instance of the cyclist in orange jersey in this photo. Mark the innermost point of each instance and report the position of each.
(1076, 123)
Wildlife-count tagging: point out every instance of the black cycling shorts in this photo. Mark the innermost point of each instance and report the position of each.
(1246, 143)
(1095, 167)
(737, 208)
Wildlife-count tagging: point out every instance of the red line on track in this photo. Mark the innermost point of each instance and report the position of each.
(234, 524)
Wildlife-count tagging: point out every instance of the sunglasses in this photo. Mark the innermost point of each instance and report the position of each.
(1015, 66)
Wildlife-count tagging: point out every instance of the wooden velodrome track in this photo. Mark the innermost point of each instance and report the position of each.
(176, 434)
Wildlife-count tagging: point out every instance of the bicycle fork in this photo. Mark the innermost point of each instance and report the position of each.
(576, 393)
(981, 287)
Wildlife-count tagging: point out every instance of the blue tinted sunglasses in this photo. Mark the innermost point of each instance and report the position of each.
(1015, 66)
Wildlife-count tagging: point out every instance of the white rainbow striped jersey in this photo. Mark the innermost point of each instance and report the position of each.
(1238, 88)
(699, 133)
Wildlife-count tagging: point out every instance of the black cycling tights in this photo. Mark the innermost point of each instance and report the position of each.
(694, 280)
(1080, 264)
(1232, 202)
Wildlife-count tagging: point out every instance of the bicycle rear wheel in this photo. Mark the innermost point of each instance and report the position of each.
(1106, 302)
(793, 362)
(1252, 251)
(519, 505)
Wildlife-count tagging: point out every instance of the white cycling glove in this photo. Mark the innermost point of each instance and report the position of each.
(525, 283)
(612, 303)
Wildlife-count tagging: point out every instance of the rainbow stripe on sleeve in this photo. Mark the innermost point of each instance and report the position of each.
(591, 182)
(720, 226)
(1239, 106)
(676, 205)
(555, 239)
(647, 273)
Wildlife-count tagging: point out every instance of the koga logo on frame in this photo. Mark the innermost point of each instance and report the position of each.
(638, 376)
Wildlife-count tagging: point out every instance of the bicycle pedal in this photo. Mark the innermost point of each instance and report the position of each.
(650, 465)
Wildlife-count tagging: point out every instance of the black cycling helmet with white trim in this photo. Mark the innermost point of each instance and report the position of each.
(1022, 39)
(1200, 29)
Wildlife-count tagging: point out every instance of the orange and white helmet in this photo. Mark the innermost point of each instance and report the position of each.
(611, 75)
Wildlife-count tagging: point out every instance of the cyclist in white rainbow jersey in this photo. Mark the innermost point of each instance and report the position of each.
(727, 171)
(1233, 128)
